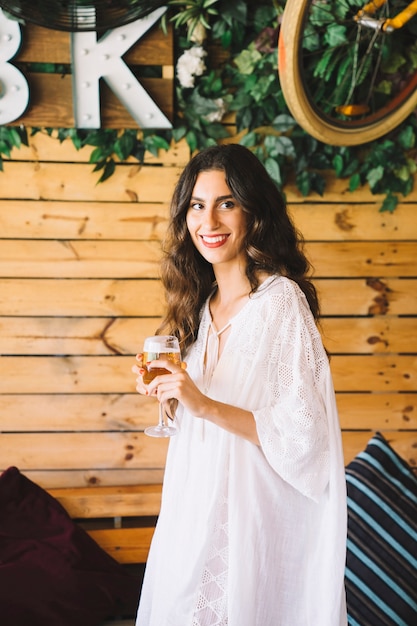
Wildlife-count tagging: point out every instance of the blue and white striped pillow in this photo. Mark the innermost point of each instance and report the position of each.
(381, 564)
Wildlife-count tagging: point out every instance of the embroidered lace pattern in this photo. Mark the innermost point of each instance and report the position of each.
(211, 608)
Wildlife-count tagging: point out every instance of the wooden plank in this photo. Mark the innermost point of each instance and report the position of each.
(79, 259)
(104, 220)
(74, 335)
(145, 298)
(405, 444)
(370, 335)
(52, 181)
(359, 258)
(51, 451)
(122, 259)
(110, 412)
(76, 412)
(81, 297)
(112, 374)
(124, 501)
(50, 103)
(377, 411)
(77, 181)
(354, 222)
(108, 476)
(41, 45)
(353, 442)
(105, 336)
(126, 545)
(101, 220)
(374, 373)
(372, 296)
(75, 374)
(82, 451)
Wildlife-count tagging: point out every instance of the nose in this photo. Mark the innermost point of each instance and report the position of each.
(211, 221)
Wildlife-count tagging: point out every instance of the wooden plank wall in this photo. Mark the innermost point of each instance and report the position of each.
(79, 291)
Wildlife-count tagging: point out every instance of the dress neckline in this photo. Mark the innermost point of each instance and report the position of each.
(225, 327)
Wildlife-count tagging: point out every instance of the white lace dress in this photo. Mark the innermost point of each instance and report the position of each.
(254, 535)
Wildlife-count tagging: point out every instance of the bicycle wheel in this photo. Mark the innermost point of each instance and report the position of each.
(345, 83)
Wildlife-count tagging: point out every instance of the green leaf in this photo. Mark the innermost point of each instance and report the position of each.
(354, 182)
(303, 183)
(351, 166)
(335, 35)
(338, 164)
(99, 165)
(156, 142)
(407, 138)
(15, 137)
(108, 171)
(4, 148)
(374, 175)
(96, 155)
(273, 169)
(285, 146)
(283, 122)
(389, 203)
(216, 130)
(246, 61)
(191, 140)
(124, 145)
(249, 140)
(318, 183)
(179, 132)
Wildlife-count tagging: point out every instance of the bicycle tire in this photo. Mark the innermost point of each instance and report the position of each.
(298, 86)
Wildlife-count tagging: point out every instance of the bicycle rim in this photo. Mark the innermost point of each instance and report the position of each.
(346, 84)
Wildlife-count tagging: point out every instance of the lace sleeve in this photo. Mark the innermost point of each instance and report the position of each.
(292, 426)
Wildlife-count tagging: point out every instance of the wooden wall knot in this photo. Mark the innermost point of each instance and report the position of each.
(380, 304)
(342, 220)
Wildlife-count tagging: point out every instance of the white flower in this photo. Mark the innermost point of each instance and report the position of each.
(191, 64)
(217, 116)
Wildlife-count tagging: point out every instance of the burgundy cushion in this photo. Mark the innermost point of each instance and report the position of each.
(51, 572)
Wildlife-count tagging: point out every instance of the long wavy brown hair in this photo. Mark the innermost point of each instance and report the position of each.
(272, 243)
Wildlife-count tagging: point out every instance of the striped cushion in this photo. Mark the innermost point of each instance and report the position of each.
(381, 566)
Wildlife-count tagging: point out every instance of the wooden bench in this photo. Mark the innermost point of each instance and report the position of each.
(120, 519)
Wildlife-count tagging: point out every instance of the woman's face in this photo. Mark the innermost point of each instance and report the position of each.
(216, 221)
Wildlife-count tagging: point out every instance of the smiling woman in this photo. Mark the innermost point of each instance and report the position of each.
(256, 464)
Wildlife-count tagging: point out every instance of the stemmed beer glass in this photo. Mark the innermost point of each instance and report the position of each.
(164, 347)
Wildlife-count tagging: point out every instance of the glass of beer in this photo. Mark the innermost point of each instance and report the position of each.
(160, 347)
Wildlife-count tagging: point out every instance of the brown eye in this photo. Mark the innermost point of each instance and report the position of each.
(228, 204)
